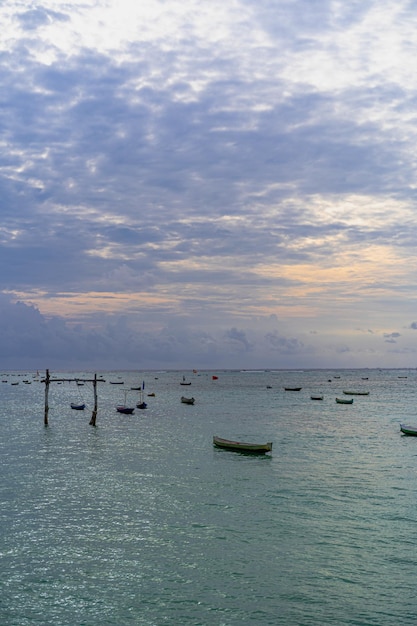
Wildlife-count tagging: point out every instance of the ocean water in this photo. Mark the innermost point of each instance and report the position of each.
(141, 521)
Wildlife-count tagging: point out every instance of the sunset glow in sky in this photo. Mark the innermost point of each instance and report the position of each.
(208, 185)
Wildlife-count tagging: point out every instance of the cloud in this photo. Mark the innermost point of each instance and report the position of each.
(164, 162)
(391, 337)
(284, 345)
(35, 18)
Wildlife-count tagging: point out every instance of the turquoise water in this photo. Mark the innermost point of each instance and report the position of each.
(142, 521)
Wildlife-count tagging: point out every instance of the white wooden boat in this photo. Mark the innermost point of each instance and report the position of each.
(240, 446)
(408, 430)
(344, 401)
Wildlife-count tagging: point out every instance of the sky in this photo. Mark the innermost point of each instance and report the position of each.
(208, 185)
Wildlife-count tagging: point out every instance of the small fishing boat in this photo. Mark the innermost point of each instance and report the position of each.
(292, 388)
(316, 397)
(141, 404)
(117, 382)
(240, 446)
(187, 400)
(344, 401)
(77, 407)
(408, 430)
(356, 393)
(127, 410)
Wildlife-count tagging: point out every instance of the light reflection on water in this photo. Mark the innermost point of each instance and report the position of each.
(142, 521)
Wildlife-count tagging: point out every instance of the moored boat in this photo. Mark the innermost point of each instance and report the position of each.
(77, 407)
(292, 388)
(344, 401)
(356, 393)
(240, 446)
(185, 400)
(316, 397)
(128, 410)
(408, 430)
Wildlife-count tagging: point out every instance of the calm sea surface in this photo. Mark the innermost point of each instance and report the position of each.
(142, 521)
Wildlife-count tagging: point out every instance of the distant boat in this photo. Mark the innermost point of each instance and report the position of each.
(117, 382)
(356, 393)
(408, 430)
(214, 378)
(316, 397)
(77, 407)
(141, 404)
(292, 388)
(240, 446)
(125, 409)
(187, 400)
(344, 401)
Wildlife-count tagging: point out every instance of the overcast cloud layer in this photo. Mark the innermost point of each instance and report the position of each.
(217, 184)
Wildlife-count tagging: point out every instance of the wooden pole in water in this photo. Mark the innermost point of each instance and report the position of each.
(45, 419)
(94, 415)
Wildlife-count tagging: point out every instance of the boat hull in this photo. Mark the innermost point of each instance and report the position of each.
(409, 430)
(240, 446)
(125, 409)
(185, 400)
(77, 407)
(343, 401)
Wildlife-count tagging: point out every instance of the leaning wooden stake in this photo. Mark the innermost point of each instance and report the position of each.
(45, 418)
(94, 415)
